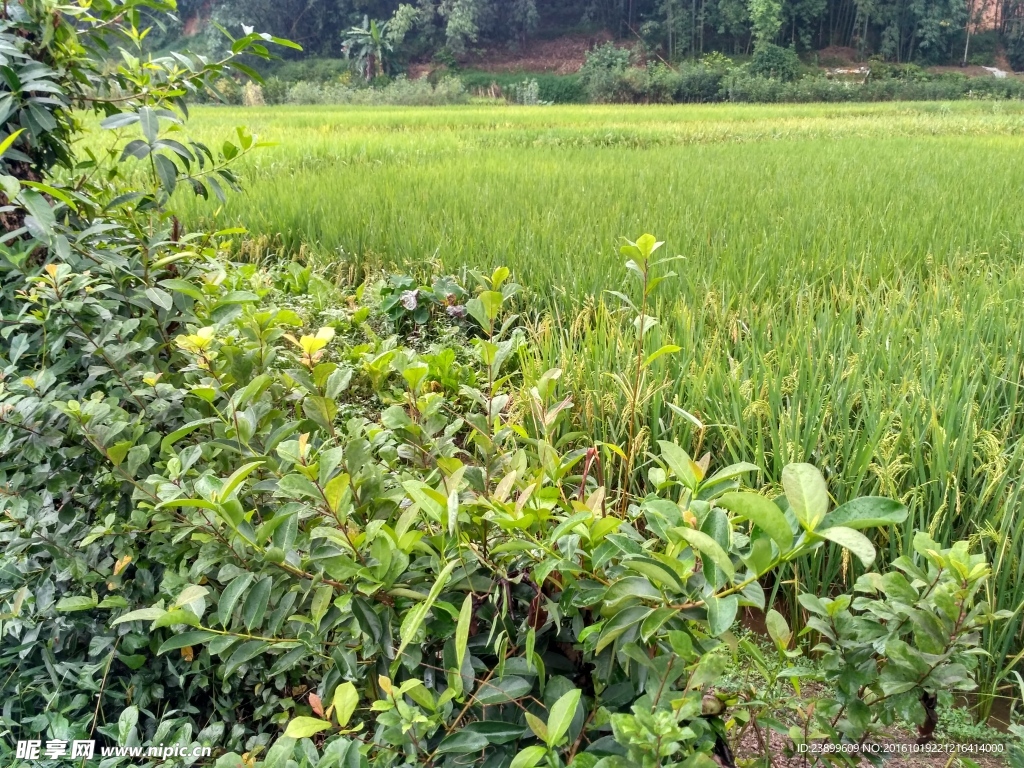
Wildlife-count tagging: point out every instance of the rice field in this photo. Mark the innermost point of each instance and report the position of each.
(755, 197)
(850, 291)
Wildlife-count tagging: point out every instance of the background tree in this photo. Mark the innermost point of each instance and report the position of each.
(923, 31)
(765, 19)
(368, 45)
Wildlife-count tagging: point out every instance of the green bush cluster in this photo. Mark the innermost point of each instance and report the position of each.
(742, 88)
(312, 69)
(604, 73)
(399, 92)
(774, 75)
(983, 47)
(557, 89)
(775, 62)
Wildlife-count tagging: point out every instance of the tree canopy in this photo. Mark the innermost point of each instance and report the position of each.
(924, 31)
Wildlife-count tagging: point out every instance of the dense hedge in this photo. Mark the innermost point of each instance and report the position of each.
(558, 89)
(774, 76)
(759, 89)
(656, 84)
(701, 83)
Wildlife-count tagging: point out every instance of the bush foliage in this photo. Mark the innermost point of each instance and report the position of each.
(318, 527)
(557, 89)
(399, 92)
(774, 74)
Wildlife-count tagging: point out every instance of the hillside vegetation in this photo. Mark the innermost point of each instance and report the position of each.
(940, 31)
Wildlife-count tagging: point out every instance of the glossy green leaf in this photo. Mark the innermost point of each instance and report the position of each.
(247, 651)
(229, 597)
(142, 614)
(76, 603)
(855, 541)
(721, 613)
(462, 630)
(762, 512)
(619, 623)
(461, 743)
(561, 715)
(707, 547)
(496, 731)
(680, 463)
(304, 727)
(503, 690)
(866, 512)
(255, 605)
(529, 757)
(321, 603)
(194, 637)
(778, 629)
(417, 615)
(227, 490)
(806, 493)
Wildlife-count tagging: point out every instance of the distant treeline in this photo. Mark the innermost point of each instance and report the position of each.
(921, 31)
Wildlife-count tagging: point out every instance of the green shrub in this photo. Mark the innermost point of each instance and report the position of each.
(602, 73)
(557, 89)
(561, 89)
(399, 92)
(983, 49)
(774, 61)
(275, 90)
(701, 83)
(740, 87)
(526, 93)
(659, 84)
(311, 69)
(305, 92)
(884, 70)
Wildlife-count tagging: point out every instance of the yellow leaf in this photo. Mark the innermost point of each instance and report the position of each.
(346, 697)
(385, 684)
(121, 564)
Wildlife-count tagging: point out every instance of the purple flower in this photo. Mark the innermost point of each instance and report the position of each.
(409, 300)
(456, 310)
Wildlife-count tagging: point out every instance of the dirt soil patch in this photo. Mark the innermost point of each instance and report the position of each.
(560, 56)
(970, 71)
(838, 56)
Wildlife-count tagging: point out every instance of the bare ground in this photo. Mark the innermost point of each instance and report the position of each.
(970, 70)
(560, 56)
